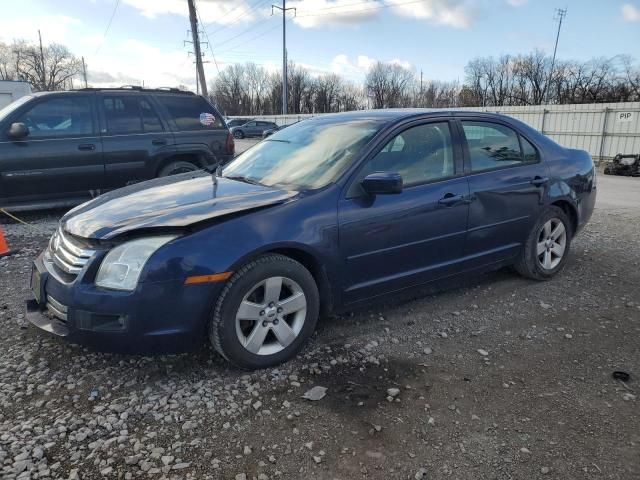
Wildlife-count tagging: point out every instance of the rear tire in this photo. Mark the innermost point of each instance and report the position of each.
(266, 312)
(174, 168)
(238, 134)
(547, 247)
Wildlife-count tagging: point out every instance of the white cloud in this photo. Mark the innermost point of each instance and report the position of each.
(450, 13)
(358, 68)
(54, 28)
(314, 13)
(403, 63)
(630, 13)
(211, 11)
(517, 3)
(133, 62)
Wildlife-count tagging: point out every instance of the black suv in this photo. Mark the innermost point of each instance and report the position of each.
(61, 148)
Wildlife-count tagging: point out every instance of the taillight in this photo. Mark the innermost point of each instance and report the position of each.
(231, 144)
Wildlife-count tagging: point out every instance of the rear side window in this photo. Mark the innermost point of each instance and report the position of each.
(127, 114)
(122, 114)
(492, 145)
(59, 117)
(190, 112)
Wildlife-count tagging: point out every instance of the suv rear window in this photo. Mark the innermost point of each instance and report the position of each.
(130, 114)
(190, 112)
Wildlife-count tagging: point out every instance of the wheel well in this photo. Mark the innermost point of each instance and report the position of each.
(194, 158)
(570, 211)
(317, 271)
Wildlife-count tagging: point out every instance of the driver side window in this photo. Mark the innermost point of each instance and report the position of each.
(59, 117)
(419, 154)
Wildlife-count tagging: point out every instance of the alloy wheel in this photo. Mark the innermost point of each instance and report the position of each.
(271, 316)
(552, 243)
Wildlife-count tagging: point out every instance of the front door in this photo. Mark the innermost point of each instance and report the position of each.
(60, 157)
(394, 241)
(507, 182)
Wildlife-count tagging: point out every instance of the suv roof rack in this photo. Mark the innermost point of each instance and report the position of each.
(137, 88)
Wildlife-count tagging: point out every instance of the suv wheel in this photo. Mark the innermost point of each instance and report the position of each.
(266, 312)
(547, 246)
(177, 167)
(238, 134)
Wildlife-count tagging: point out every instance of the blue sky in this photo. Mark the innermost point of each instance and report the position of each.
(145, 40)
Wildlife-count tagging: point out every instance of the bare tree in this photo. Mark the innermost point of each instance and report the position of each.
(52, 69)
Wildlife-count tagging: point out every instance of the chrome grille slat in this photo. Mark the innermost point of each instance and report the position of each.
(65, 266)
(67, 255)
(57, 309)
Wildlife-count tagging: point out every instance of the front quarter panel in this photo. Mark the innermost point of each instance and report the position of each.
(307, 223)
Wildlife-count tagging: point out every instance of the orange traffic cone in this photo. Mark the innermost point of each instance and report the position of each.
(4, 248)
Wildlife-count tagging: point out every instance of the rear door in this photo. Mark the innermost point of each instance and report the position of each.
(197, 124)
(134, 137)
(60, 157)
(507, 182)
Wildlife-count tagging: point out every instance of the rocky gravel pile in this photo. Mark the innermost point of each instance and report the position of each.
(496, 378)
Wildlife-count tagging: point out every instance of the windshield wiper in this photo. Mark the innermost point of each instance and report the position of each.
(242, 178)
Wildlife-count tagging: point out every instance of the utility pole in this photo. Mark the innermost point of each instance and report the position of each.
(284, 51)
(196, 47)
(560, 14)
(44, 76)
(84, 73)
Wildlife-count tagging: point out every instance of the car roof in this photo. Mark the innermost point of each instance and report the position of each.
(394, 114)
(133, 90)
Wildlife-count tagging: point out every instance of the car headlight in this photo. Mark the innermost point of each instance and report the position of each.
(121, 268)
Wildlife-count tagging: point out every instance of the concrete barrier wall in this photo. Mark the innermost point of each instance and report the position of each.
(602, 129)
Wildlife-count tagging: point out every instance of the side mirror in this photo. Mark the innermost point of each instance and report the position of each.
(381, 183)
(18, 130)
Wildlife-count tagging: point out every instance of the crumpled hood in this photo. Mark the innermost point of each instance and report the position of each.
(176, 201)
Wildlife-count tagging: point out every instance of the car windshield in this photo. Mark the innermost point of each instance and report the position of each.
(303, 156)
(6, 111)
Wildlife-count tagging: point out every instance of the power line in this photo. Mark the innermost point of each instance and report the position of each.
(253, 38)
(104, 36)
(252, 28)
(208, 42)
(239, 17)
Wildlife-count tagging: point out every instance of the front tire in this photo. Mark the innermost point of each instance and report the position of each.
(546, 249)
(266, 312)
(238, 134)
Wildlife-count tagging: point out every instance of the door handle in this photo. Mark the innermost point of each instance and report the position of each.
(539, 181)
(450, 199)
(159, 141)
(86, 147)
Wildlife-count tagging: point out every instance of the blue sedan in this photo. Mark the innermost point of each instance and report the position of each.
(320, 217)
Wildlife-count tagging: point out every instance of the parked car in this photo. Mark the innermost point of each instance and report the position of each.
(323, 216)
(62, 148)
(254, 128)
(277, 128)
(236, 122)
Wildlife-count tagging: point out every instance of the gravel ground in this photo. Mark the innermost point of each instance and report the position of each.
(498, 378)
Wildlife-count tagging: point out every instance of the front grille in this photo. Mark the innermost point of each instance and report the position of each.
(56, 308)
(67, 254)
